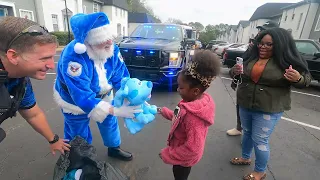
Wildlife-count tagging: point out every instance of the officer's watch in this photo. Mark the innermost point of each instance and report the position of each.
(55, 139)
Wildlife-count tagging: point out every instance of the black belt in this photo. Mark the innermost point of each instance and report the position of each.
(64, 87)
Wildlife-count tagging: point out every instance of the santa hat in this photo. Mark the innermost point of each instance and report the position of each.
(92, 28)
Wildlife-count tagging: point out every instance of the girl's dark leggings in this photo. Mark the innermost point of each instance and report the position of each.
(180, 172)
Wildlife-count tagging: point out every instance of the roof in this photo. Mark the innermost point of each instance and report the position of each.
(268, 10)
(140, 18)
(295, 5)
(118, 3)
(244, 23)
(234, 27)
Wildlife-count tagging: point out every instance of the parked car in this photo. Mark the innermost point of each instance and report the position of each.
(217, 47)
(309, 49)
(230, 55)
(234, 45)
(214, 42)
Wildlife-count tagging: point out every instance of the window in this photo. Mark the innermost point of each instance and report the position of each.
(306, 48)
(84, 9)
(116, 11)
(293, 16)
(159, 31)
(119, 29)
(317, 28)
(299, 22)
(26, 14)
(55, 22)
(96, 7)
(3, 12)
(124, 31)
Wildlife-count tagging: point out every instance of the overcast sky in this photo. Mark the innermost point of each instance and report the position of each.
(208, 11)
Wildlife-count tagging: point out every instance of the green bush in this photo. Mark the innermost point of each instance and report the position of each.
(62, 37)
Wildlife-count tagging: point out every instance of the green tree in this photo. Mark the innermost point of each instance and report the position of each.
(211, 32)
(197, 25)
(140, 6)
(174, 21)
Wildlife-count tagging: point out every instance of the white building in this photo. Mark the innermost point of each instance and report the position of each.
(232, 34)
(264, 13)
(117, 11)
(299, 18)
(242, 35)
(53, 14)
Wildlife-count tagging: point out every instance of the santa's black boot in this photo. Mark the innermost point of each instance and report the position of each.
(118, 153)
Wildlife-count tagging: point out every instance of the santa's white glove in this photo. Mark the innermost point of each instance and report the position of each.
(126, 111)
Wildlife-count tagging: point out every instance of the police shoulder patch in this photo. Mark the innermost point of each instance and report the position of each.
(74, 69)
(120, 56)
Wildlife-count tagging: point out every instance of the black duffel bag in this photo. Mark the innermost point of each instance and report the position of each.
(83, 156)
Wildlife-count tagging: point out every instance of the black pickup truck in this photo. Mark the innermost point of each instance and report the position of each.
(308, 48)
(158, 52)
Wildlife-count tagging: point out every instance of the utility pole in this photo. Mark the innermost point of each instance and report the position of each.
(69, 36)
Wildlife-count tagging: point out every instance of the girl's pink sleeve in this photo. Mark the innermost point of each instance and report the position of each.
(167, 113)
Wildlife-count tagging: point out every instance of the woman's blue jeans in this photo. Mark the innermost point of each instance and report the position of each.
(257, 128)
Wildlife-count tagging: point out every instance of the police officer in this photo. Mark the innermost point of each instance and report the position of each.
(26, 51)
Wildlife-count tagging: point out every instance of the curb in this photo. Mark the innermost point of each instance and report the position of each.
(60, 48)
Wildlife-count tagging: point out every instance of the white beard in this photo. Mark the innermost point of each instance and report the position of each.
(99, 55)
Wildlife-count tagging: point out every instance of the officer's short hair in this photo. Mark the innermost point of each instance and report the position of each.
(11, 26)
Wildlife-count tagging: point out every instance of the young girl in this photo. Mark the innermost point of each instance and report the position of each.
(192, 116)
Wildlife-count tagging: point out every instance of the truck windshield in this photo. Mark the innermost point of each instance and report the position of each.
(166, 32)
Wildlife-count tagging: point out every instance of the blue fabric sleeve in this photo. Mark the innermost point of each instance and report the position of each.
(120, 69)
(29, 99)
(78, 83)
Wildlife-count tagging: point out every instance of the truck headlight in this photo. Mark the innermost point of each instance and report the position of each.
(174, 59)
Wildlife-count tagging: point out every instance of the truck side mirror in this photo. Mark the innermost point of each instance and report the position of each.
(317, 54)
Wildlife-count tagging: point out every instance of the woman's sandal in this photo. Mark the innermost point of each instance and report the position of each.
(238, 161)
(251, 177)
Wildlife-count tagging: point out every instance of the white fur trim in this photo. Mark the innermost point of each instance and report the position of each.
(79, 48)
(108, 98)
(100, 112)
(99, 55)
(99, 35)
(65, 106)
(105, 87)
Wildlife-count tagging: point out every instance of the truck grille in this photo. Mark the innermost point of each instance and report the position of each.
(141, 58)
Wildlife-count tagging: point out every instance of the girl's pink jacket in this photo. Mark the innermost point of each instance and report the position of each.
(190, 122)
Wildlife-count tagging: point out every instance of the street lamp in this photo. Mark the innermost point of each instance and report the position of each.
(69, 36)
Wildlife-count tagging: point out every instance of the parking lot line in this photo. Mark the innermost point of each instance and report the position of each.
(301, 123)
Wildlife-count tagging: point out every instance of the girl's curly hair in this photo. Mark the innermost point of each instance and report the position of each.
(203, 68)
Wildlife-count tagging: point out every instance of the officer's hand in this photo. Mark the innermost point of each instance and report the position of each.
(60, 145)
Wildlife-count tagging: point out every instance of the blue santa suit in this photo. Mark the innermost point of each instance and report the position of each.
(81, 82)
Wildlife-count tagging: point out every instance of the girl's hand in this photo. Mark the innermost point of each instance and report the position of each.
(292, 75)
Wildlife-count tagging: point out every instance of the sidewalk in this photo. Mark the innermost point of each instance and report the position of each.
(60, 48)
